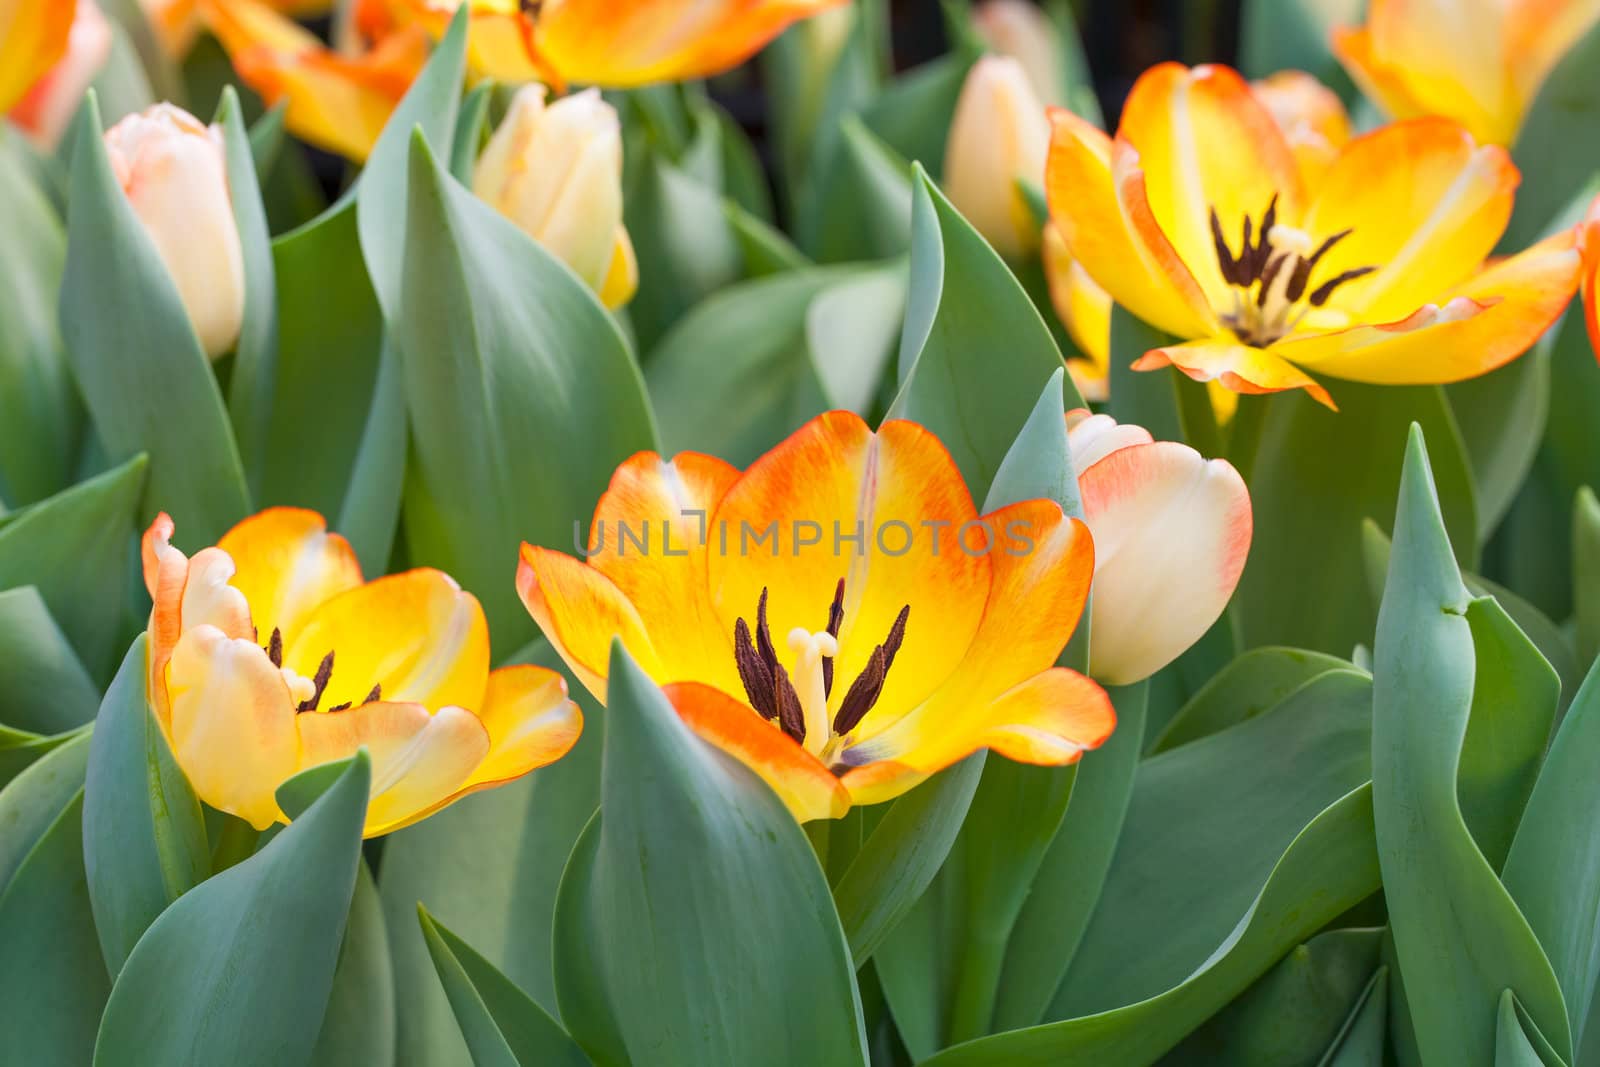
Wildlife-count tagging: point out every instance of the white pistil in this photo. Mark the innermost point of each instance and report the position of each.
(1288, 239)
(809, 650)
(301, 688)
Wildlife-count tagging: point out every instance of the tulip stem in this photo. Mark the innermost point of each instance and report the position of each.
(236, 842)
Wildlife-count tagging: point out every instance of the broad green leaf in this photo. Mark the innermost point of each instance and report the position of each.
(1459, 936)
(43, 686)
(1363, 1042)
(1514, 1045)
(144, 838)
(1586, 574)
(255, 360)
(1558, 148)
(147, 383)
(1317, 475)
(1295, 1012)
(1329, 866)
(239, 969)
(1205, 825)
(359, 1025)
(471, 127)
(32, 801)
(40, 415)
(20, 749)
(694, 871)
(912, 113)
(522, 393)
(502, 1025)
(74, 548)
(863, 201)
(766, 249)
(974, 353)
(1250, 685)
(852, 330)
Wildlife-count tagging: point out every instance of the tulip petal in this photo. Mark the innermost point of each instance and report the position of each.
(1103, 213)
(232, 724)
(1312, 117)
(46, 109)
(1468, 79)
(580, 610)
(622, 275)
(901, 499)
(287, 563)
(808, 788)
(1171, 533)
(419, 760)
(1240, 367)
(1424, 203)
(1378, 81)
(416, 634)
(33, 37)
(1541, 33)
(1590, 245)
(1084, 309)
(1093, 437)
(649, 537)
(530, 723)
(1478, 326)
(1206, 143)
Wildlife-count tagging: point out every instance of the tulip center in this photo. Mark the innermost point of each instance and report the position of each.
(307, 692)
(795, 699)
(1271, 276)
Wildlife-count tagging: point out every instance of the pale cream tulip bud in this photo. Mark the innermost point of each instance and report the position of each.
(998, 135)
(556, 171)
(43, 113)
(1171, 532)
(1020, 29)
(172, 168)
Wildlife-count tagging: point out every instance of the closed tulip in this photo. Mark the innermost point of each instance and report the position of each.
(171, 166)
(999, 134)
(1020, 29)
(43, 113)
(556, 171)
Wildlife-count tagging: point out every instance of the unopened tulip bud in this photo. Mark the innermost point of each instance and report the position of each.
(43, 113)
(998, 135)
(172, 168)
(556, 171)
(1020, 29)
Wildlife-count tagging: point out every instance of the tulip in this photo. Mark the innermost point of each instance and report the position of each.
(500, 33)
(556, 171)
(269, 655)
(839, 616)
(1480, 62)
(1171, 533)
(177, 22)
(33, 38)
(172, 169)
(1085, 310)
(1198, 220)
(1311, 116)
(1021, 30)
(49, 105)
(1591, 274)
(999, 134)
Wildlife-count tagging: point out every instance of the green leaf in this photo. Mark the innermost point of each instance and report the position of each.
(470, 128)
(503, 1026)
(1329, 866)
(40, 415)
(238, 970)
(1459, 936)
(1293, 35)
(136, 358)
(250, 390)
(1514, 1046)
(1317, 475)
(1147, 399)
(522, 395)
(694, 865)
(1253, 683)
(359, 1026)
(1557, 149)
(1364, 1042)
(1501, 416)
(766, 249)
(43, 686)
(74, 548)
(1586, 573)
(974, 353)
(1295, 1012)
(912, 114)
(144, 838)
(32, 801)
(852, 330)
(862, 205)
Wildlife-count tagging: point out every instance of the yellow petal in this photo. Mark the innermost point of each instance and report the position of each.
(1467, 80)
(998, 135)
(1311, 116)
(33, 37)
(622, 276)
(580, 610)
(1237, 366)
(416, 634)
(530, 723)
(1541, 34)
(287, 564)
(1083, 308)
(232, 724)
(1379, 81)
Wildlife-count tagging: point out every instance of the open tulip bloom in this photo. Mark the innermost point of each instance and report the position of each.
(269, 655)
(1197, 218)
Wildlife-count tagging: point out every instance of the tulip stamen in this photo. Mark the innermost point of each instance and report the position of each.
(835, 620)
(766, 683)
(868, 686)
(275, 647)
(320, 682)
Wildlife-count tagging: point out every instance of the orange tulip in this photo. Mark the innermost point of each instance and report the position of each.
(839, 616)
(1591, 274)
(43, 113)
(1198, 219)
(33, 38)
(177, 22)
(500, 33)
(269, 655)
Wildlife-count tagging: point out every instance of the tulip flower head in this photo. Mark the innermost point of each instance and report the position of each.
(1022, 31)
(270, 655)
(172, 168)
(999, 134)
(838, 616)
(556, 171)
(43, 113)
(1171, 532)
(1198, 219)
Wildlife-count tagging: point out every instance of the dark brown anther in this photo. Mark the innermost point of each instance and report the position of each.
(835, 620)
(1262, 257)
(320, 680)
(376, 694)
(897, 635)
(1269, 276)
(764, 633)
(1298, 279)
(1325, 290)
(753, 672)
(791, 716)
(1225, 260)
(275, 647)
(864, 693)
(339, 707)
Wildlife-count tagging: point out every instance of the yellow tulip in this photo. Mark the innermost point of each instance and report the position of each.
(33, 37)
(999, 134)
(838, 616)
(500, 33)
(172, 169)
(1480, 62)
(269, 655)
(1197, 219)
(556, 171)
(49, 104)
